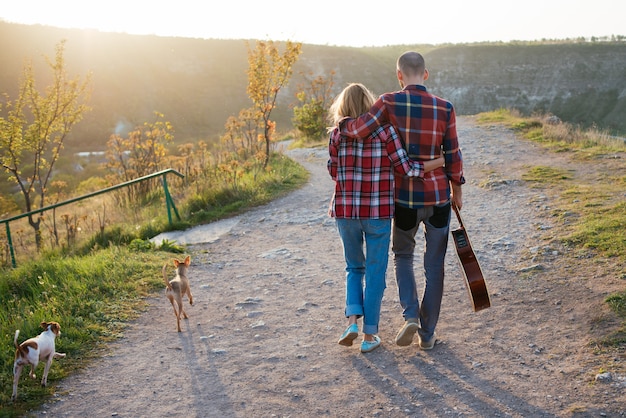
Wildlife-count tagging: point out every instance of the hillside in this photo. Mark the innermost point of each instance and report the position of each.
(199, 83)
(580, 82)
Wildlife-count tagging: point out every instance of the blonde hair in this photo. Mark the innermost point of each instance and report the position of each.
(353, 101)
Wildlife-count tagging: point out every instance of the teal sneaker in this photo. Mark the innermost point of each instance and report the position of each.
(367, 346)
(349, 335)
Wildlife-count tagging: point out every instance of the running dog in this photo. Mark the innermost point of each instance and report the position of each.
(34, 350)
(178, 287)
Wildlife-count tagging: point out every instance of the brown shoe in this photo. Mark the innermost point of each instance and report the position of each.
(428, 344)
(406, 333)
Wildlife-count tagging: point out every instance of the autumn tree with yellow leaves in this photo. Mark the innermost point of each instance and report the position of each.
(269, 70)
(139, 154)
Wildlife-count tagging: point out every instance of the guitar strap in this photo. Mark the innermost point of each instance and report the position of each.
(458, 215)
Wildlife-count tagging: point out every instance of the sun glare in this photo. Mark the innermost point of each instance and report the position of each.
(331, 22)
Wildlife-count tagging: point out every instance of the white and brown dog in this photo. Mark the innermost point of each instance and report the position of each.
(178, 287)
(34, 350)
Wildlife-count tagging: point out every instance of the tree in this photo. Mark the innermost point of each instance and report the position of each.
(268, 72)
(34, 131)
(242, 135)
(140, 154)
(311, 117)
(242, 144)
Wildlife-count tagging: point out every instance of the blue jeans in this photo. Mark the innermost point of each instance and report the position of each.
(436, 222)
(364, 297)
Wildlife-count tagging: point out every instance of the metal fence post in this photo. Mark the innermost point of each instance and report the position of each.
(169, 202)
(10, 243)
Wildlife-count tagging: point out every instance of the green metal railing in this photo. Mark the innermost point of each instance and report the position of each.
(168, 199)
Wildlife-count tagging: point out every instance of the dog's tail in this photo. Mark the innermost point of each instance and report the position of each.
(17, 333)
(167, 282)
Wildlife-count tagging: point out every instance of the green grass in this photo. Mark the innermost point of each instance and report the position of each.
(602, 229)
(214, 203)
(558, 137)
(617, 302)
(599, 226)
(96, 290)
(598, 203)
(594, 207)
(508, 117)
(546, 175)
(92, 297)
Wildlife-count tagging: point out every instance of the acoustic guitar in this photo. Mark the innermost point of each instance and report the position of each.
(474, 280)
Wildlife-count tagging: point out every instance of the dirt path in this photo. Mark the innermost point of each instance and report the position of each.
(261, 338)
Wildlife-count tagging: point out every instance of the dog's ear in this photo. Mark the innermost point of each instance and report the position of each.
(176, 263)
(187, 260)
(44, 325)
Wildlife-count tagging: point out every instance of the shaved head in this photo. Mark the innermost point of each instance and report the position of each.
(411, 64)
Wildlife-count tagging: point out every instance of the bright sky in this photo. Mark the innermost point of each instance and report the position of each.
(333, 22)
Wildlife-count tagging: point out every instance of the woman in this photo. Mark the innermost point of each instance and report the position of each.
(363, 206)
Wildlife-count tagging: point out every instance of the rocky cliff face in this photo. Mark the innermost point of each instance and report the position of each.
(580, 83)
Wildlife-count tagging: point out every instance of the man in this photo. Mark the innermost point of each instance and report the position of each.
(427, 125)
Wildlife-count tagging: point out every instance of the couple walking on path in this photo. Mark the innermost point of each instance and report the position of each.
(397, 158)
